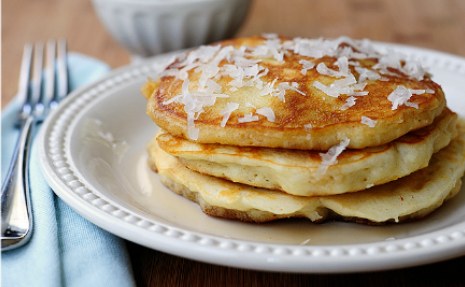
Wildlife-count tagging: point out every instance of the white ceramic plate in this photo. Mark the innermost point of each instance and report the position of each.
(93, 154)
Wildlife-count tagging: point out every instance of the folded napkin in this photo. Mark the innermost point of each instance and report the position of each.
(65, 249)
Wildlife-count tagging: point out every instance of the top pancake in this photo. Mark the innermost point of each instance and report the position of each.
(299, 93)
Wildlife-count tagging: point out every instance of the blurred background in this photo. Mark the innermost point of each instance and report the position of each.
(435, 24)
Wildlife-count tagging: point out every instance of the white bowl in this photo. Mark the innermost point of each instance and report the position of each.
(150, 27)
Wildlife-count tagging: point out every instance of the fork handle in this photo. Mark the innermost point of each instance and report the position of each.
(15, 202)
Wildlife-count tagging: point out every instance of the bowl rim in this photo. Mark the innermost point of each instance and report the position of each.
(168, 2)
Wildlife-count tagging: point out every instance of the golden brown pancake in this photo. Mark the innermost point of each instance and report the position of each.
(299, 172)
(407, 198)
(293, 93)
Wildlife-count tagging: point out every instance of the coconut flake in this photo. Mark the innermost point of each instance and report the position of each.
(208, 72)
(397, 61)
(292, 86)
(315, 48)
(414, 70)
(172, 100)
(194, 103)
(369, 122)
(268, 88)
(366, 74)
(346, 82)
(267, 112)
(344, 86)
(350, 102)
(308, 127)
(369, 185)
(224, 53)
(326, 89)
(192, 130)
(390, 59)
(417, 92)
(270, 49)
(341, 62)
(230, 107)
(306, 65)
(401, 96)
(330, 157)
(358, 94)
(280, 90)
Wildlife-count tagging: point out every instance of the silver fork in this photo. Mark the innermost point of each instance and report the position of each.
(39, 93)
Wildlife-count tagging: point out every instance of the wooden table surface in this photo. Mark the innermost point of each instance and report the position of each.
(435, 24)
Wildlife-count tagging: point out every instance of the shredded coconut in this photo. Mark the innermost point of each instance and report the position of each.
(244, 67)
(306, 65)
(414, 70)
(344, 86)
(192, 130)
(369, 185)
(343, 65)
(369, 122)
(267, 112)
(366, 74)
(326, 89)
(308, 127)
(194, 102)
(417, 92)
(350, 102)
(280, 90)
(401, 96)
(292, 86)
(230, 107)
(330, 157)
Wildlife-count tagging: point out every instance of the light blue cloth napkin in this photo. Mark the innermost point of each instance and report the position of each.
(65, 249)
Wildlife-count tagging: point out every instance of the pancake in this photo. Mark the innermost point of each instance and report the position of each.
(410, 197)
(293, 93)
(299, 172)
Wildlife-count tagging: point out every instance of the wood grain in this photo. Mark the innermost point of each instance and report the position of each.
(435, 24)
(154, 268)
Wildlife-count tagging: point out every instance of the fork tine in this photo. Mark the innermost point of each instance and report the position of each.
(62, 67)
(49, 92)
(36, 84)
(23, 83)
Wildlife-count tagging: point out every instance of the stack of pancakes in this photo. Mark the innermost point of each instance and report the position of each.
(263, 128)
